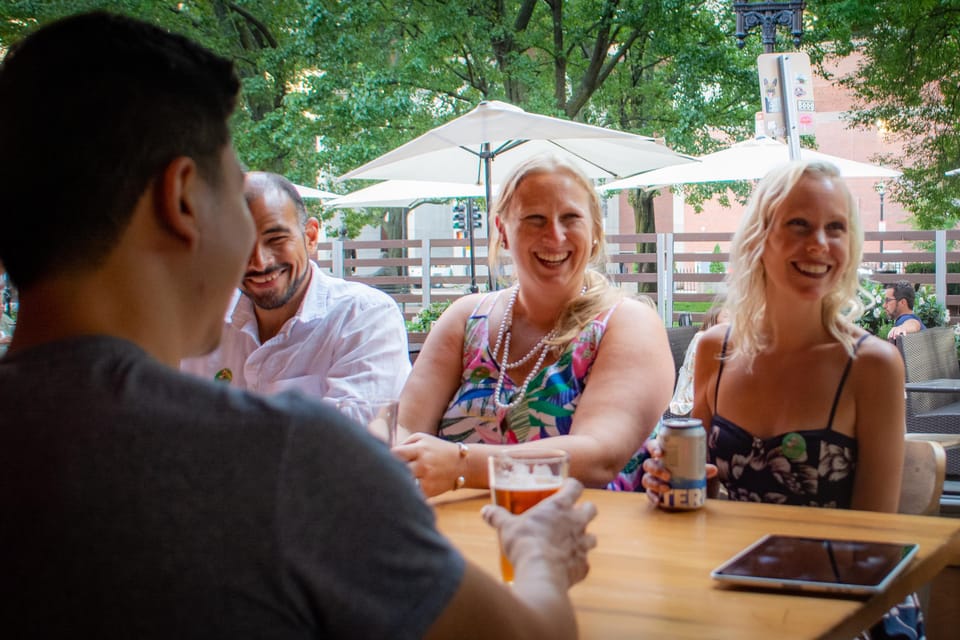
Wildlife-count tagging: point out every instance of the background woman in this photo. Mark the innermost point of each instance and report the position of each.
(560, 355)
(801, 406)
(682, 402)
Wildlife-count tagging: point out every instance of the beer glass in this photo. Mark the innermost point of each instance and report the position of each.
(520, 479)
(379, 416)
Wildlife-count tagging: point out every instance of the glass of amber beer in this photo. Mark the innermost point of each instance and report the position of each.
(520, 479)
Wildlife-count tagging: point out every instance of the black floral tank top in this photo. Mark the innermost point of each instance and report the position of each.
(812, 468)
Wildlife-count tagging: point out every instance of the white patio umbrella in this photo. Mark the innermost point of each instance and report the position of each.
(496, 135)
(310, 192)
(748, 160)
(410, 194)
(405, 193)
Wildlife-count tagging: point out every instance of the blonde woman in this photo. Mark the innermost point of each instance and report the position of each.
(801, 406)
(558, 360)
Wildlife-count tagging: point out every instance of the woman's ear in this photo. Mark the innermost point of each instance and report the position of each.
(500, 231)
(177, 199)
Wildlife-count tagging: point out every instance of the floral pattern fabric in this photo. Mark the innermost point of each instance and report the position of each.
(550, 402)
(813, 468)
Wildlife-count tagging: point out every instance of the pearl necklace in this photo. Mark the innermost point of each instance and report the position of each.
(503, 337)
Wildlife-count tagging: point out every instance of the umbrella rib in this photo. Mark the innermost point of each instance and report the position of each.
(612, 174)
(506, 146)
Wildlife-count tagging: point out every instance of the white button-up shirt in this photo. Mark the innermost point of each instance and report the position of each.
(347, 340)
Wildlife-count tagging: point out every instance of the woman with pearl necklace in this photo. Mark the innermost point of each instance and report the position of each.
(560, 359)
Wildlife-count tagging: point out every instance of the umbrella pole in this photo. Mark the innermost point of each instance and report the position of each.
(473, 262)
(492, 275)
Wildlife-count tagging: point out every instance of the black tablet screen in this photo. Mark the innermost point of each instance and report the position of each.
(850, 562)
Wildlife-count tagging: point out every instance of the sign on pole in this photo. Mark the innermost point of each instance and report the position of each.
(786, 96)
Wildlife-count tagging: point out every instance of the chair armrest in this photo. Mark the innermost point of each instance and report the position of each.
(946, 440)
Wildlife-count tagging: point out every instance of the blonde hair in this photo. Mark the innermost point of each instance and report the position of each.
(746, 283)
(600, 295)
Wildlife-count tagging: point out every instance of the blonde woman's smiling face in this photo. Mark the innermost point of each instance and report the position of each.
(807, 248)
(548, 230)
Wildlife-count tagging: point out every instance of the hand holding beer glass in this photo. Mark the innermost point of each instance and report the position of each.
(522, 478)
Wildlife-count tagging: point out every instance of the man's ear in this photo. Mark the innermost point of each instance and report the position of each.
(311, 231)
(177, 199)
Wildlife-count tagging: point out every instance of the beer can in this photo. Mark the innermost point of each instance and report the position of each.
(684, 444)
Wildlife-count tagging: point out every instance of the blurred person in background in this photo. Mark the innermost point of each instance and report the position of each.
(6, 322)
(682, 402)
(898, 303)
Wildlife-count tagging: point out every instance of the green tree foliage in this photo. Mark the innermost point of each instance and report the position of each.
(909, 80)
(716, 266)
(329, 85)
(273, 45)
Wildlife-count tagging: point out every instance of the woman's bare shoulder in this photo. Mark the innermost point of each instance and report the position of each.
(878, 363)
(713, 337)
(877, 352)
(629, 310)
(878, 355)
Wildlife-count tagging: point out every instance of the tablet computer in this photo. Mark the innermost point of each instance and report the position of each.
(820, 565)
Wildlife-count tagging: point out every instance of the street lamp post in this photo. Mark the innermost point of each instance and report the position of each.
(769, 15)
(881, 190)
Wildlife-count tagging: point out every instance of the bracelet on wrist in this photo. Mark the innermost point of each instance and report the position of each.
(462, 451)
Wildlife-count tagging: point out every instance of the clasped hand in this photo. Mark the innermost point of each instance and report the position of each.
(434, 462)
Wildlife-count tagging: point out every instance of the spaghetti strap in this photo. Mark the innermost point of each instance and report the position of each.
(843, 381)
(723, 353)
(483, 299)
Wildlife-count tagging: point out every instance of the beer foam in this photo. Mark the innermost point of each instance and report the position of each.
(522, 477)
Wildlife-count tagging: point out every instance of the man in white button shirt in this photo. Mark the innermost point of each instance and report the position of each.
(295, 327)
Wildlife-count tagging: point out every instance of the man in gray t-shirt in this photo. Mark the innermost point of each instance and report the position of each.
(176, 487)
(139, 503)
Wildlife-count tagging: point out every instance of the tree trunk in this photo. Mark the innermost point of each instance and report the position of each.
(644, 222)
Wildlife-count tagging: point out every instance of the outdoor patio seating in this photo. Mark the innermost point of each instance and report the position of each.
(931, 355)
(680, 338)
(924, 470)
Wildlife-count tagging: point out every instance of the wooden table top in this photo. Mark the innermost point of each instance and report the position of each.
(650, 572)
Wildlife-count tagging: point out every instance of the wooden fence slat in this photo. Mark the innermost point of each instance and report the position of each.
(449, 276)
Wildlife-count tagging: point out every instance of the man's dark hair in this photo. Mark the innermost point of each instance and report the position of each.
(903, 290)
(92, 108)
(265, 179)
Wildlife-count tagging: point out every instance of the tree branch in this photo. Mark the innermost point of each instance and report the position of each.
(251, 19)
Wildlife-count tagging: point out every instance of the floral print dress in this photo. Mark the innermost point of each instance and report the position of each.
(812, 468)
(551, 399)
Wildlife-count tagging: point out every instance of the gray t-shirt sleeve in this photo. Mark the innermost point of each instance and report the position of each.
(364, 556)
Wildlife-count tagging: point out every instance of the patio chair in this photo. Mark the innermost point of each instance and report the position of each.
(928, 355)
(924, 470)
(679, 338)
